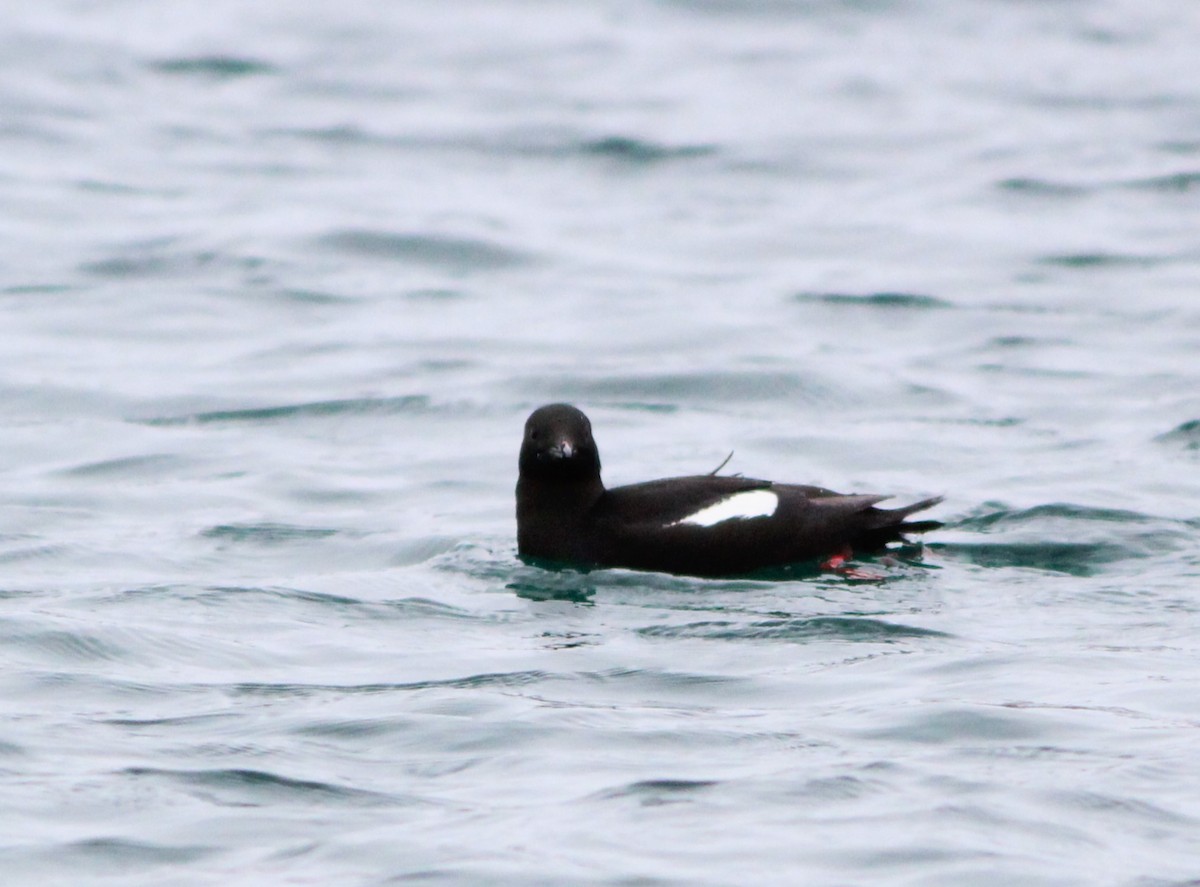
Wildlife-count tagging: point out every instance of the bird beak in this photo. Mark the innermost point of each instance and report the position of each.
(562, 451)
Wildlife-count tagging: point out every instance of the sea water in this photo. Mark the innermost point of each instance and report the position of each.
(280, 282)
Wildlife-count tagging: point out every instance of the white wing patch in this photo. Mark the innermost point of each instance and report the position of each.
(739, 506)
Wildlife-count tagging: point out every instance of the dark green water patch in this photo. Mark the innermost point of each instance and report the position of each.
(573, 592)
(639, 152)
(877, 300)
(1042, 187)
(435, 294)
(1080, 559)
(1100, 260)
(214, 67)
(1178, 183)
(37, 289)
(656, 792)
(550, 580)
(303, 296)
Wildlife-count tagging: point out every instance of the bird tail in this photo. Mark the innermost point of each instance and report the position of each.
(890, 523)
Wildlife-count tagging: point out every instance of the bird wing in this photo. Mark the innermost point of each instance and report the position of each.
(671, 500)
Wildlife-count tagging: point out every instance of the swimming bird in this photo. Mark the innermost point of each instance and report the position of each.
(702, 525)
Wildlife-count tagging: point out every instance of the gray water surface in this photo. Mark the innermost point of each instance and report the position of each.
(280, 282)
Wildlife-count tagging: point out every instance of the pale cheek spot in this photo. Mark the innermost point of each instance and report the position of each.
(739, 506)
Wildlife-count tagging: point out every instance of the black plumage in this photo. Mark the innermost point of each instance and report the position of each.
(565, 514)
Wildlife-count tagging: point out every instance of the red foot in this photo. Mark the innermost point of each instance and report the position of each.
(836, 563)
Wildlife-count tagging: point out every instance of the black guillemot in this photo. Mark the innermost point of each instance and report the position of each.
(704, 525)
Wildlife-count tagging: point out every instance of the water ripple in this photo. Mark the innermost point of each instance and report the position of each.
(1063, 537)
(824, 627)
(312, 409)
(257, 788)
(707, 386)
(878, 300)
(266, 533)
(640, 151)
(499, 679)
(455, 253)
(656, 792)
(215, 67)
(1185, 436)
(120, 854)
(148, 464)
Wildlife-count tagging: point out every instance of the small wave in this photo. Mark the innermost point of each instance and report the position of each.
(653, 792)
(542, 580)
(1080, 559)
(1170, 183)
(419, 550)
(570, 591)
(217, 67)
(152, 263)
(64, 646)
(491, 679)
(877, 300)
(304, 296)
(733, 386)
(267, 533)
(837, 788)
(37, 289)
(119, 853)
(1185, 436)
(641, 152)
(454, 253)
(1000, 517)
(837, 627)
(223, 593)
(1061, 537)
(1179, 182)
(1125, 808)
(358, 728)
(254, 788)
(177, 721)
(959, 725)
(1042, 187)
(48, 551)
(318, 409)
(1083, 261)
(555, 144)
(130, 466)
